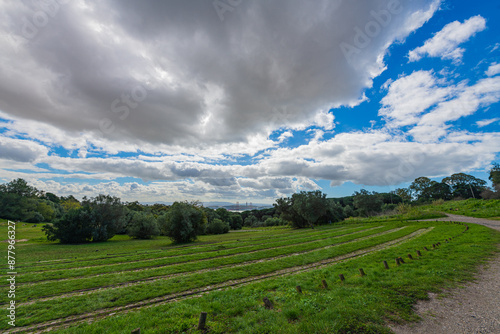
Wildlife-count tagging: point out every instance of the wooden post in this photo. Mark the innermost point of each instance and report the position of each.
(325, 286)
(136, 331)
(386, 265)
(202, 321)
(410, 257)
(418, 253)
(397, 262)
(268, 304)
(299, 289)
(361, 272)
(342, 278)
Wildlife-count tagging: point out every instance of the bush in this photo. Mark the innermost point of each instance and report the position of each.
(389, 207)
(251, 220)
(183, 222)
(349, 211)
(403, 208)
(73, 228)
(235, 221)
(275, 222)
(142, 226)
(217, 226)
(99, 219)
(109, 216)
(34, 218)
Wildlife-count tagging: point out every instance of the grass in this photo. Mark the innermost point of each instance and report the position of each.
(262, 263)
(477, 208)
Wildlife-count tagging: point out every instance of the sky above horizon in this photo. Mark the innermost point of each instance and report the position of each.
(245, 100)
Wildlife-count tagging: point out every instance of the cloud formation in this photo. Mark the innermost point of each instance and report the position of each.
(445, 43)
(160, 101)
(167, 73)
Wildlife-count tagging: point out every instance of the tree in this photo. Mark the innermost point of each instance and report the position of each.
(217, 226)
(250, 220)
(70, 203)
(438, 190)
(74, 227)
(223, 214)
(495, 176)
(183, 222)
(404, 194)
(235, 221)
(134, 206)
(367, 203)
(46, 210)
(19, 187)
(142, 225)
(52, 197)
(308, 209)
(108, 213)
(310, 205)
(420, 185)
(464, 185)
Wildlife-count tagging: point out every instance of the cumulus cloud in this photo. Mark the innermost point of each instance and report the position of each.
(186, 104)
(409, 96)
(166, 73)
(21, 150)
(445, 43)
(494, 69)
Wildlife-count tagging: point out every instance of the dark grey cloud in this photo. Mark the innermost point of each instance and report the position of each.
(173, 72)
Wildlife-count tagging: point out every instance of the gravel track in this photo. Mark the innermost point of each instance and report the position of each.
(474, 309)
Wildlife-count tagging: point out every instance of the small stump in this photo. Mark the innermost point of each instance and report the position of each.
(268, 304)
(202, 321)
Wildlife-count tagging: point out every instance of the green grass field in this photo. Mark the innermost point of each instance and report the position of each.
(125, 284)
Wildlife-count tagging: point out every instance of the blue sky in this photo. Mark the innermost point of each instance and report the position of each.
(247, 100)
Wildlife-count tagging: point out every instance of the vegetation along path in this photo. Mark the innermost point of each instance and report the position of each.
(474, 309)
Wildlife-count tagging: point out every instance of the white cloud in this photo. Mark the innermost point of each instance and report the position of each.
(487, 122)
(410, 96)
(21, 150)
(493, 70)
(445, 43)
(433, 125)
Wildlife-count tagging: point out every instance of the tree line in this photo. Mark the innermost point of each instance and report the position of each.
(99, 218)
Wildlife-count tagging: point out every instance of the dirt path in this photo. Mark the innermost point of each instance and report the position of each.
(473, 309)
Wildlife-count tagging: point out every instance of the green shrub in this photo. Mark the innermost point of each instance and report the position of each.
(142, 226)
(217, 226)
(183, 222)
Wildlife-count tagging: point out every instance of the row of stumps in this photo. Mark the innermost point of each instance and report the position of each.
(268, 304)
